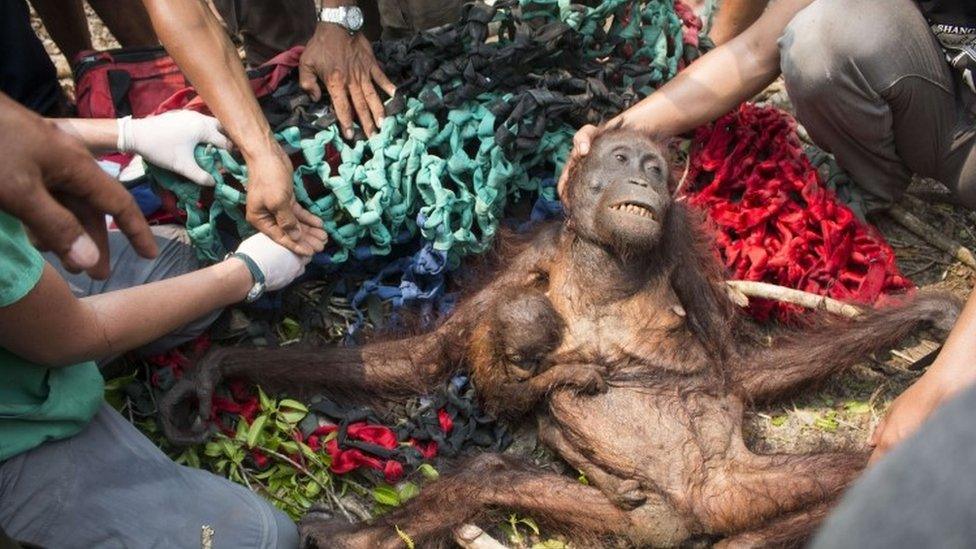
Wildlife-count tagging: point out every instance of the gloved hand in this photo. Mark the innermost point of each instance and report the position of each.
(279, 264)
(167, 140)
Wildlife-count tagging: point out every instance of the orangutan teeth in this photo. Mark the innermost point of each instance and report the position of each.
(635, 210)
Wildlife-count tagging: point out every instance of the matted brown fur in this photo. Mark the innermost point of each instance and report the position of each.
(615, 332)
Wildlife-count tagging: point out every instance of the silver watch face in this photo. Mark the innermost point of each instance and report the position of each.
(354, 18)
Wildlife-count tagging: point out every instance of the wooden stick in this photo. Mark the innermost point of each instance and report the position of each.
(470, 536)
(764, 290)
(931, 235)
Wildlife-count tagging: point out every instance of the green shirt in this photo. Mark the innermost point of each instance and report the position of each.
(37, 403)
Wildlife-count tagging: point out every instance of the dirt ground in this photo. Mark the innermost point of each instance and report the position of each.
(842, 413)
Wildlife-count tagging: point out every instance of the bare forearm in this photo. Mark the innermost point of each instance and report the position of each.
(198, 44)
(163, 306)
(719, 81)
(98, 135)
(50, 326)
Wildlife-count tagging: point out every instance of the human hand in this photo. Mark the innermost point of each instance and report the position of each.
(347, 66)
(53, 185)
(271, 205)
(168, 140)
(581, 147)
(910, 410)
(278, 264)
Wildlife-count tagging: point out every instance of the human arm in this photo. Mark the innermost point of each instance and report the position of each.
(196, 41)
(166, 140)
(953, 370)
(710, 87)
(733, 17)
(116, 322)
(345, 63)
(53, 185)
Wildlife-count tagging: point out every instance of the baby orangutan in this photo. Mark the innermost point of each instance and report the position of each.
(615, 329)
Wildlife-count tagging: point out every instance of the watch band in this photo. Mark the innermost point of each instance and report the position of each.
(333, 15)
(258, 288)
(349, 17)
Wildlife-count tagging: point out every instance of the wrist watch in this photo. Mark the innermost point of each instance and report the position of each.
(347, 17)
(257, 290)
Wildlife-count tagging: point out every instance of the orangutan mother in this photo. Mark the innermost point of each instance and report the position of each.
(615, 328)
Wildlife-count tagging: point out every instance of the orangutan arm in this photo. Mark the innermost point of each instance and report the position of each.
(384, 369)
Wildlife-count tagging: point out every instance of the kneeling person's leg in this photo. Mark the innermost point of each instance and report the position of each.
(109, 486)
(871, 85)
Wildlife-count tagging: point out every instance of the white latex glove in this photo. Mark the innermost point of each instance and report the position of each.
(278, 264)
(167, 140)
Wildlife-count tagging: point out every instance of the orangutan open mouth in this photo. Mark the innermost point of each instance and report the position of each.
(635, 209)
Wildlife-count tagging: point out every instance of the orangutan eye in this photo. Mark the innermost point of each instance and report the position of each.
(655, 169)
(620, 157)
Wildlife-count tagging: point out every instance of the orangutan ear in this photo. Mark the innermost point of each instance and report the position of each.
(677, 171)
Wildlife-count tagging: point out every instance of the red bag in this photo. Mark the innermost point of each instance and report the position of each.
(145, 81)
(125, 81)
(264, 80)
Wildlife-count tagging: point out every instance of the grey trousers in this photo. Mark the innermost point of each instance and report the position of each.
(128, 270)
(110, 486)
(871, 85)
(921, 495)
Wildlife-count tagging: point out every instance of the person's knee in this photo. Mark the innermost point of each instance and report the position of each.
(238, 516)
(813, 48)
(833, 41)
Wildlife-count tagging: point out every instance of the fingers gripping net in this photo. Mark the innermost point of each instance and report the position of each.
(477, 120)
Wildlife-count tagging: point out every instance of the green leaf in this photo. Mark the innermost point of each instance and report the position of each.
(312, 489)
(255, 431)
(289, 446)
(550, 544)
(240, 434)
(190, 458)
(113, 390)
(511, 528)
(428, 471)
(290, 329)
(403, 535)
(120, 382)
(407, 490)
(827, 422)
(292, 404)
(582, 478)
(307, 451)
(266, 403)
(302, 500)
(531, 524)
(226, 447)
(385, 494)
(212, 449)
(779, 421)
(857, 407)
(292, 417)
